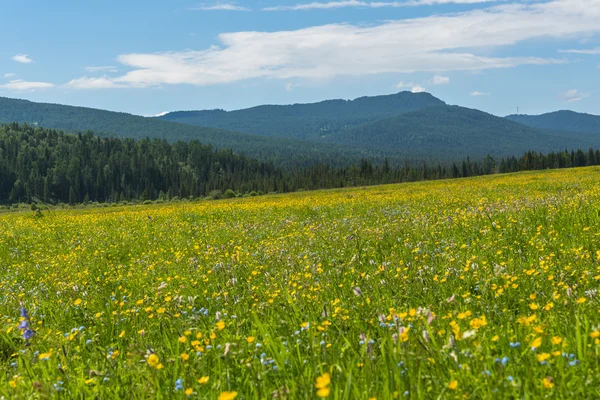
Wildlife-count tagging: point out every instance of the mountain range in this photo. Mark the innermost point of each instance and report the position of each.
(564, 120)
(400, 127)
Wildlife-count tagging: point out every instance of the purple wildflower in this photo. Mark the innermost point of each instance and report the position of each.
(24, 325)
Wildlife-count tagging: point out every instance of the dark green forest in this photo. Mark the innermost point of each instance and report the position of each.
(279, 151)
(453, 132)
(563, 120)
(402, 127)
(309, 121)
(46, 166)
(405, 126)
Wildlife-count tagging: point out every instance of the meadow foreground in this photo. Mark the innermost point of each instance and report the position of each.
(476, 288)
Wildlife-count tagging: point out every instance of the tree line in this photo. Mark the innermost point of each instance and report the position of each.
(39, 165)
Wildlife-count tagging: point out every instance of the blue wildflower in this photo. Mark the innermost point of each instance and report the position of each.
(24, 324)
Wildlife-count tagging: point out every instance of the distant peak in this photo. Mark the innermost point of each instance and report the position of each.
(162, 114)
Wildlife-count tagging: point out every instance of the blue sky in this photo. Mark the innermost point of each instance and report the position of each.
(146, 57)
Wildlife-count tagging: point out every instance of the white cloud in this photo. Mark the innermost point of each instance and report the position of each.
(322, 6)
(573, 95)
(440, 80)
(477, 94)
(368, 4)
(94, 83)
(414, 87)
(101, 69)
(219, 7)
(22, 58)
(595, 51)
(450, 42)
(403, 85)
(289, 86)
(20, 84)
(9, 75)
(161, 114)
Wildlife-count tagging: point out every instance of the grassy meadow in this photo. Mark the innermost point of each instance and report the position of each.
(468, 288)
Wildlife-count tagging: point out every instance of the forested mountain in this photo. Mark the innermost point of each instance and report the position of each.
(48, 165)
(563, 120)
(281, 151)
(406, 126)
(40, 165)
(452, 132)
(307, 121)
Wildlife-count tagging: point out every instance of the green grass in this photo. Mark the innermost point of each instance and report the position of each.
(399, 291)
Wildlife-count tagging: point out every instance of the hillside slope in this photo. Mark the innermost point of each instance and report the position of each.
(456, 132)
(307, 121)
(108, 123)
(564, 120)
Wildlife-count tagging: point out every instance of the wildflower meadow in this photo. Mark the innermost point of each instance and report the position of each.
(468, 288)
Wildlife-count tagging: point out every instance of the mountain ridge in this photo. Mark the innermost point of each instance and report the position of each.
(307, 120)
(561, 120)
(400, 127)
(111, 123)
(449, 130)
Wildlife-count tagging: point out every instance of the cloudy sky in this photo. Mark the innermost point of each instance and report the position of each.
(150, 56)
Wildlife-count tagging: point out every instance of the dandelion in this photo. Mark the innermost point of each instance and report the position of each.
(154, 362)
(404, 334)
(453, 385)
(203, 380)
(227, 395)
(547, 382)
(536, 343)
(542, 357)
(556, 340)
(322, 385)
